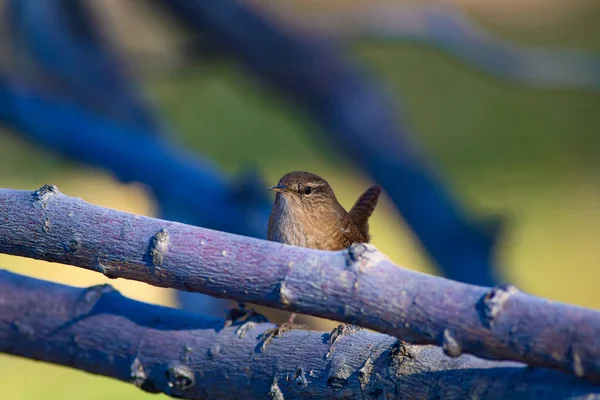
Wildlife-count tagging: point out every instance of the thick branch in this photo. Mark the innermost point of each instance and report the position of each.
(186, 355)
(359, 285)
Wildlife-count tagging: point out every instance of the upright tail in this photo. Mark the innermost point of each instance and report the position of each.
(363, 208)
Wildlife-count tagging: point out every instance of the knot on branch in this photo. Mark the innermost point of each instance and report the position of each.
(364, 374)
(400, 353)
(159, 244)
(179, 377)
(44, 194)
(492, 303)
(285, 294)
(576, 362)
(23, 329)
(73, 244)
(214, 351)
(137, 375)
(338, 378)
(450, 345)
(90, 297)
(274, 392)
(46, 226)
(299, 378)
(339, 332)
(185, 353)
(362, 255)
(105, 269)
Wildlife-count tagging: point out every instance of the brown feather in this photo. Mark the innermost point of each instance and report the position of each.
(363, 208)
(317, 220)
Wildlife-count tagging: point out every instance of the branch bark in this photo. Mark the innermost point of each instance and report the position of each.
(186, 355)
(358, 285)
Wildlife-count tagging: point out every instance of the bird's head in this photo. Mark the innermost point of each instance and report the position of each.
(305, 190)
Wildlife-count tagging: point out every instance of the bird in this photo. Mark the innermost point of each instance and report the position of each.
(306, 213)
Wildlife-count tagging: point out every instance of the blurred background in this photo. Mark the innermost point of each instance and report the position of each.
(501, 100)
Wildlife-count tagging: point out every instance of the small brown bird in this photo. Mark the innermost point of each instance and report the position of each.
(306, 213)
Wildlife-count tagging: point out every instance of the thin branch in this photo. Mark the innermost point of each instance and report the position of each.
(359, 119)
(359, 285)
(186, 355)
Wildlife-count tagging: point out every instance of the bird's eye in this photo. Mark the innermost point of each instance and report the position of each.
(307, 190)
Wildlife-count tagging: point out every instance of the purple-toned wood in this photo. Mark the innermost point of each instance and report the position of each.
(358, 285)
(186, 355)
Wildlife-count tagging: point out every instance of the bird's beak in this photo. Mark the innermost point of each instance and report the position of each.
(278, 188)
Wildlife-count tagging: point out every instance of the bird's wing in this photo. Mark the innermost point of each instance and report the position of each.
(350, 233)
(363, 208)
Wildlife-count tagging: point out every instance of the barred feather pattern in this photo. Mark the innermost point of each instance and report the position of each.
(363, 208)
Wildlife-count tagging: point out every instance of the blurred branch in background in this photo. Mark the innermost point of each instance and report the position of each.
(448, 28)
(61, 44)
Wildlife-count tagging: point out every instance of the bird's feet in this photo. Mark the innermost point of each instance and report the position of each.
(269, 334)
(245, 319)
(241, 315)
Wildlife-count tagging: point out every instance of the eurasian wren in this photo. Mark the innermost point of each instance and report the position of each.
(306, 213)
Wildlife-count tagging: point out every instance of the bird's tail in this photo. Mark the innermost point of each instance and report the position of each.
(363, 208)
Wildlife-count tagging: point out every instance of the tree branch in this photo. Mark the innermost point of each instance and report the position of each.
(449, 29)
(358, 285)
(186, 355)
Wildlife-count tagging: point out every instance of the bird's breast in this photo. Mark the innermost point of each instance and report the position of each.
(288, 227)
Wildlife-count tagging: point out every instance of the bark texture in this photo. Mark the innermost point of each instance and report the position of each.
(185, 355)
